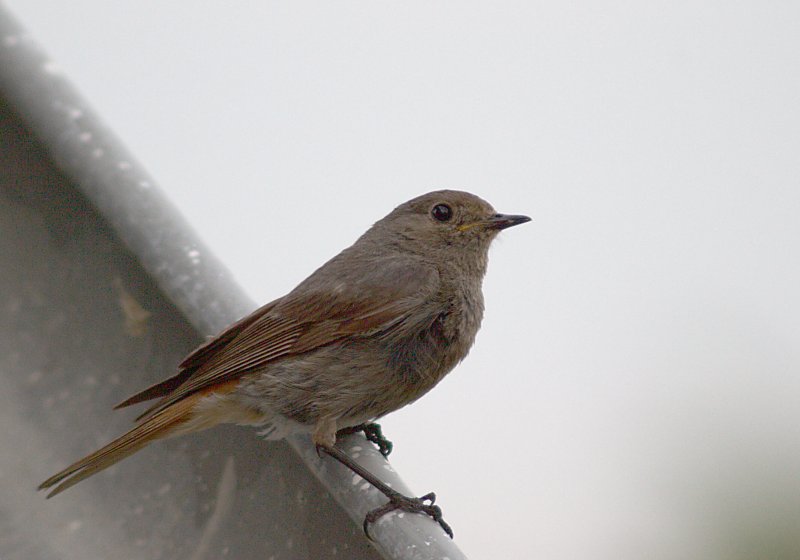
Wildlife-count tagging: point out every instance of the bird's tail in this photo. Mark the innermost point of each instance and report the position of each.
(170, 421)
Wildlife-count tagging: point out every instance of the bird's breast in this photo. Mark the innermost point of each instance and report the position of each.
(427, 355)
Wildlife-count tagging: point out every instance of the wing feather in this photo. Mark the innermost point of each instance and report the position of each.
(309, 317)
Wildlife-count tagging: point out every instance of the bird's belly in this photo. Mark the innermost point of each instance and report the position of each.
(280, 427)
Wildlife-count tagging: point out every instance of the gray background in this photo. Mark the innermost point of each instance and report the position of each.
(635, 390)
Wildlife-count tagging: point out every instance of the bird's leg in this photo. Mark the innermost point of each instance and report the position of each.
(372, 431)
(397, 501)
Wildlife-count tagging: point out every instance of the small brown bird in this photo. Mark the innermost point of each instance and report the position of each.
(372, 330)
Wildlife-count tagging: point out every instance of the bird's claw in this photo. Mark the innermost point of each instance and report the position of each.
(411, 505)
(373, 433)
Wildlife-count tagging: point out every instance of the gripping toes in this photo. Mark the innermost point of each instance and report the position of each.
(425, 505)
(374, 434)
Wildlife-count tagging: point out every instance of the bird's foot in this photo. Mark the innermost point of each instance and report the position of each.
(412, 505)
(397, 501)
(372, 431)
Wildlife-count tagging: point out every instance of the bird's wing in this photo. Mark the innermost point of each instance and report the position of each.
(322, 313)
(196, 358)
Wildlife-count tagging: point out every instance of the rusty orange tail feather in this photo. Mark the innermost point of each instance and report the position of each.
(155, 427)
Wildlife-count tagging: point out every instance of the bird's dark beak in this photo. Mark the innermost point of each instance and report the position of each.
(503, 221)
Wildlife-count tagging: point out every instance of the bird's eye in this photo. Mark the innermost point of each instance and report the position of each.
(442, 212)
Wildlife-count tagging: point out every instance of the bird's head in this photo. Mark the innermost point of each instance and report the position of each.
(448, 221)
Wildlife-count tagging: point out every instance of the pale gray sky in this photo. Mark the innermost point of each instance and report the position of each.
(635, 390)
